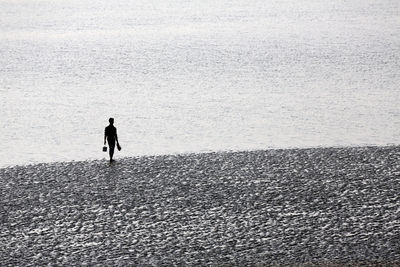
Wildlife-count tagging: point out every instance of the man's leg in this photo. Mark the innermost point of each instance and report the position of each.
(111, 152)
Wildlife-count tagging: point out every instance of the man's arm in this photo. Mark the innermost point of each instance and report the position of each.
(105, 135)
(116, 136)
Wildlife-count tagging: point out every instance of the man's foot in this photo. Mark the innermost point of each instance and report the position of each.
(111, 160)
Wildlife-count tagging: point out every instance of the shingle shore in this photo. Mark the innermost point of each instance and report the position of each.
(275, 207)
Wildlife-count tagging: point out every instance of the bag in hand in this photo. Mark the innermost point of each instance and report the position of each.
(104, 149)
(118, 147)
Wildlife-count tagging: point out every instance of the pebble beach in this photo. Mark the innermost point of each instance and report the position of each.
(316, 206)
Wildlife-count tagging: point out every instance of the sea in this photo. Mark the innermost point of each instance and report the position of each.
(183, 76)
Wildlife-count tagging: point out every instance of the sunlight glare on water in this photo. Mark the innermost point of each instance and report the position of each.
(194, 76)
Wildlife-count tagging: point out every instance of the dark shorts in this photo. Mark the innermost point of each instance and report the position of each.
(111, 143)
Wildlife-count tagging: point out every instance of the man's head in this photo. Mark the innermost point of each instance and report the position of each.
(111, 121)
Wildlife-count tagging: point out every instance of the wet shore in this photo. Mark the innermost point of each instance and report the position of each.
(323, 206)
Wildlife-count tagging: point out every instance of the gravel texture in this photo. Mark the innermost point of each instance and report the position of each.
(322, 206)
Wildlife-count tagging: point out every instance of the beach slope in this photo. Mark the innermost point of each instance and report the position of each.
(294, 206)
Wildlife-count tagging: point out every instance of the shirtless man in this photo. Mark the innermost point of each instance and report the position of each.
(110, 133)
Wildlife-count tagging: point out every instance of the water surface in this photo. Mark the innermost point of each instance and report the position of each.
(193, 76)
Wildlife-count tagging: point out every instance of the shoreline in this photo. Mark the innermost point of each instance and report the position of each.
(271, 207)
(191, 153)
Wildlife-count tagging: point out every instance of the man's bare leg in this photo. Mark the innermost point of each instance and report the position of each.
(111, 153)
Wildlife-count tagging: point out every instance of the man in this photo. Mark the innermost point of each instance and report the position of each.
(111, 134)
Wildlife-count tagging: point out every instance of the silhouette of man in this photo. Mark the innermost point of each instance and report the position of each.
(110, 133)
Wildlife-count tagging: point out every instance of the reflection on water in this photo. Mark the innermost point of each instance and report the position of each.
(185, 76)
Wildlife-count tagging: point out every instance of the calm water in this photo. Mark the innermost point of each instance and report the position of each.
(184, 76)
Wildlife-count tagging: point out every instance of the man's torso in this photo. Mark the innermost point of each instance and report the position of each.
(110, 132)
